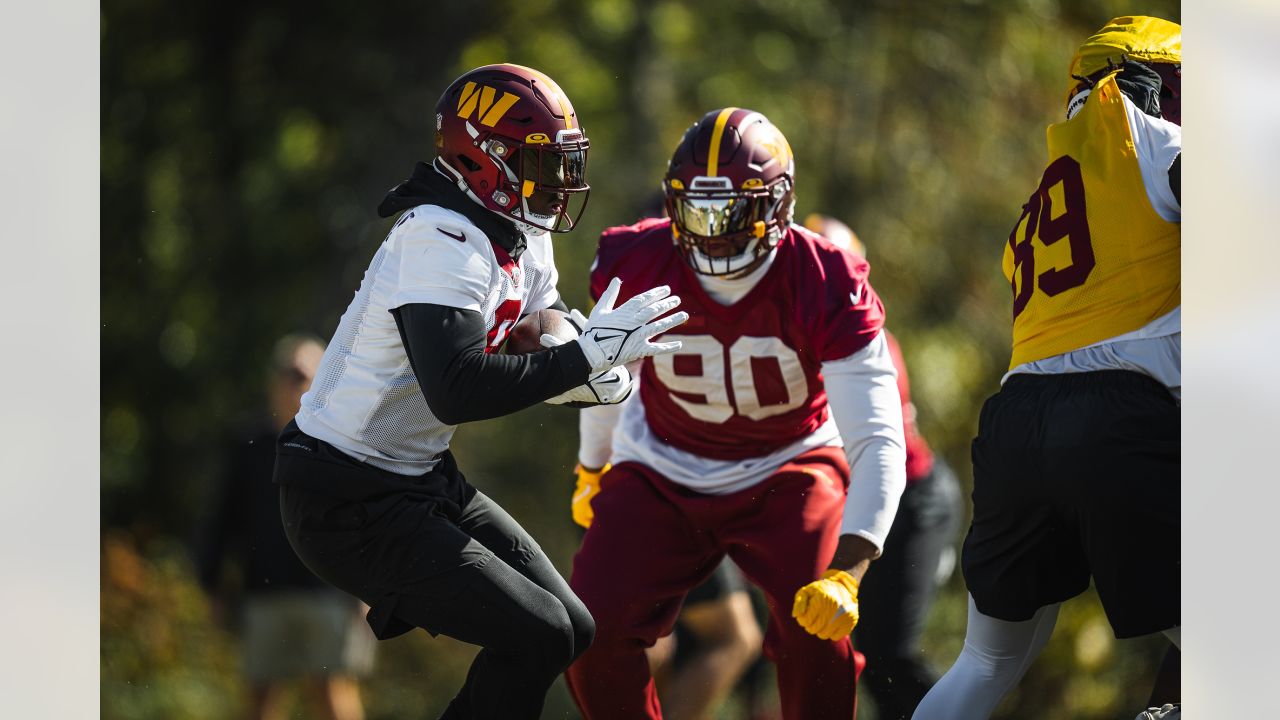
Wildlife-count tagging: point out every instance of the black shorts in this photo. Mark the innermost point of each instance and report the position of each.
(1077, 476)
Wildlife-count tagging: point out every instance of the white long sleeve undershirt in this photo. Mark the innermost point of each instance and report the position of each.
(595, 432)
(862, 391)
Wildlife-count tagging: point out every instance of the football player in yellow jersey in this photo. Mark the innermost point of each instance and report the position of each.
(1077, 460)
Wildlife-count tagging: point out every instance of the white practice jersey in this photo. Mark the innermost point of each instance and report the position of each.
(1156, 348)
(365, 399)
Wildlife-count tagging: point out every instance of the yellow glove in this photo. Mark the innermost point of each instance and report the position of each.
(588, 486)
(828, 607)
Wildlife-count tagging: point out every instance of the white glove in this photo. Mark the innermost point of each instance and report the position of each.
(607, 388)
(616, 336)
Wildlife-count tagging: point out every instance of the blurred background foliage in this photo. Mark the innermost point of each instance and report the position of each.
(246, 145)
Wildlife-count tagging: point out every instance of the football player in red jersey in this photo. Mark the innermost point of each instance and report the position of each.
(715, 646)
(731, 446)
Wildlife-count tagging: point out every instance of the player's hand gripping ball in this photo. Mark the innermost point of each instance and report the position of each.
(526, 335)
(828, 606)
(549, 328)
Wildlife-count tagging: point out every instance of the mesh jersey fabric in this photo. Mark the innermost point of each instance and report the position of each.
(1090, 258)
(747, 381)
(366, 400)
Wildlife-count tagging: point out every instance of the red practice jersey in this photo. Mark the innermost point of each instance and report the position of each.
(748, 380)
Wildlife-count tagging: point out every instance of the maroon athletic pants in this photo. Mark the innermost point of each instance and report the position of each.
(653, 540)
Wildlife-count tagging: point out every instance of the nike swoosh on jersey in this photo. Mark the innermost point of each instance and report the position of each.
(856, 298)
(460, 237)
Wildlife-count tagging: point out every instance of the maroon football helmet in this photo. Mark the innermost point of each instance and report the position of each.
(730, 191)
(508, 136)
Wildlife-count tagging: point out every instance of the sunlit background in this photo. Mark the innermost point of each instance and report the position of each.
(245, 147)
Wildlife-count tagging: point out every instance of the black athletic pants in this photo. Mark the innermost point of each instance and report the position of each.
(433, 552)
(898, 589)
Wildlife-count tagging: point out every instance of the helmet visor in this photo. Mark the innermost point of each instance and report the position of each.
(715, 216)
(553, 183)
(555, 167)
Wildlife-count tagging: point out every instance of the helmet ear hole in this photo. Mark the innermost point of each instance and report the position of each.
(471, 165)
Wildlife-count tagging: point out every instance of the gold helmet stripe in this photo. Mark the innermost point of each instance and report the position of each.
(485, 98)
(717, 134)
(498, 109)
(559, 95)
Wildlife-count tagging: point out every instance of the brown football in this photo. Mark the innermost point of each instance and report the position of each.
(526, 334)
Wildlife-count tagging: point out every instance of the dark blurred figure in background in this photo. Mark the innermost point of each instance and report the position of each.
(294, 627)
(918, 555)
(716, 638)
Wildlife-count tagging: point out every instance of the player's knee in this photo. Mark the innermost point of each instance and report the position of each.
(584, 632)
(553, 641)
(985, 666)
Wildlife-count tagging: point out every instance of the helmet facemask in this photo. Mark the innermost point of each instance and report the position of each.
(542, 184)
(723, 231)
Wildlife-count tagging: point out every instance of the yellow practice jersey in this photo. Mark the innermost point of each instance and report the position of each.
(1090, 259)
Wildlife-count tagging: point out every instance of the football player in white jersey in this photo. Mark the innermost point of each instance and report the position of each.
(371, 498)
(1076, 466)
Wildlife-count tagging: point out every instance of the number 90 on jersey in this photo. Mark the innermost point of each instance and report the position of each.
(712, 377)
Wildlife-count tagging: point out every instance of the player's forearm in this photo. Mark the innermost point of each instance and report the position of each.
(854, 554)
(865, 402)
(480, 386)
(877, 477)
(462, 383)
(595, 434)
